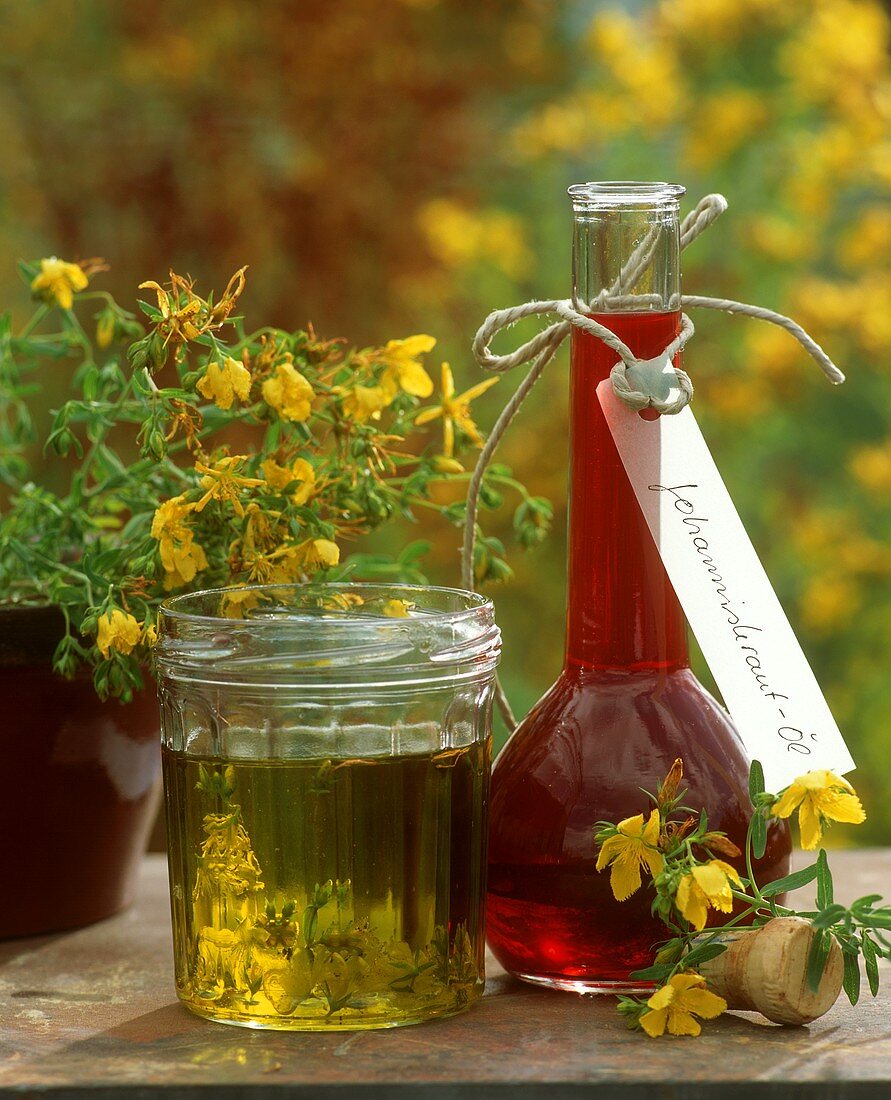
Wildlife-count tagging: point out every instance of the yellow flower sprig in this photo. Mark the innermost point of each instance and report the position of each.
(691, 886)
(262, 458)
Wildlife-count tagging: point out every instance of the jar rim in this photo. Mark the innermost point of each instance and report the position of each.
(326, 633)
(172, 607)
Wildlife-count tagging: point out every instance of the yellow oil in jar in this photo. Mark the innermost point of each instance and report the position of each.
(328, 894)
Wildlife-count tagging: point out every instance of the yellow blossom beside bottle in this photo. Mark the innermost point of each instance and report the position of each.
(690, 884)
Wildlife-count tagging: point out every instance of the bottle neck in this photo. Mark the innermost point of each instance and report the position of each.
(622, 612)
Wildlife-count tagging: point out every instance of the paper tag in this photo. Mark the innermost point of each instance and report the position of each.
(730, 604)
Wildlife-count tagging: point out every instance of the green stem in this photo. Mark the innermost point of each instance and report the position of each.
(38, 316)
(749, 855)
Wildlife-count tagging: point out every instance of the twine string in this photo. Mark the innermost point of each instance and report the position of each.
(541, 349)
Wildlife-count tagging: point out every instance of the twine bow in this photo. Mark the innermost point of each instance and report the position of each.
(639, 383)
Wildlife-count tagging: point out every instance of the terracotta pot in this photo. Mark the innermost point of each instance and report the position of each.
(80, 786)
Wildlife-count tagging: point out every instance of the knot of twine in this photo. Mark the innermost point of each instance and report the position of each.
(639, 383)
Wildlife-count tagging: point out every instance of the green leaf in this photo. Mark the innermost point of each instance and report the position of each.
(829, 916)
(878, 918)
(790, 882)
(817, 958)
(414, 551)
(824, 881)
(759, 835)
(851, 980)
(700, 955)
(864, 905)
(652, 973)
(756, 779)
(670, 951)
(869, 959)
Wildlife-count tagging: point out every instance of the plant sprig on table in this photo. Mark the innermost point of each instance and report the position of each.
(197, 453)
(693, 883)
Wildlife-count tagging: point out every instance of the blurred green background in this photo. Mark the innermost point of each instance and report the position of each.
(399, 167)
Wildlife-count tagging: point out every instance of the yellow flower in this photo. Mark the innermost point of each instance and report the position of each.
(292, 563)
(704, 886)
(181, 563)
(227, 864)
(169, 521)
(289, 985)
(149, 632)
(676, 1005)
(58, 281)
(185, 316)
(278, 477)
(444, 465)
(178, 323)
(395, 609)
(342, 976)
(119, 631)
(634, 844)
(820, 798)
(319, 553)
(288, 392)
(221, 482)
(404, 370)
(223, 382)
(105, 328)
(234, 602)
(364, 403)
(180, 555)
(455, 411)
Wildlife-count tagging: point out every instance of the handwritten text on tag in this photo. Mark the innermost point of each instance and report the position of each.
(730, 604)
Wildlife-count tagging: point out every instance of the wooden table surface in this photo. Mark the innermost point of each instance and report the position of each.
(94, 1013)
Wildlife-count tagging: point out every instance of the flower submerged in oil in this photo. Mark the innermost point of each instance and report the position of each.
(260, 940)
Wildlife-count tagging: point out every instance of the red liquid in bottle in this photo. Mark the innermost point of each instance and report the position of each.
(625, 705)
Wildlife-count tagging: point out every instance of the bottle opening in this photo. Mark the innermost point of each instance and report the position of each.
(625, 193)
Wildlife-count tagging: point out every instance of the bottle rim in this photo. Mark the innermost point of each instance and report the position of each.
(632, 193)
(327, 633)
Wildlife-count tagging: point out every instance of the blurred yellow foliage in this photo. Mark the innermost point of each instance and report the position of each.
(829, 602)
(458, 236)
(645, 70)
(867, 243)
(780, 238)
(837, 55)
(710, 21)
(872, 468)
(722, 123)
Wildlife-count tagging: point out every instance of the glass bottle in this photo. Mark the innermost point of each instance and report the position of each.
(626, 703)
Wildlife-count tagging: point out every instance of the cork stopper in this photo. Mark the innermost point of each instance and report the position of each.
(765, 970)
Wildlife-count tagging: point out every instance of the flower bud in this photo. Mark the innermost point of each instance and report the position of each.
(105, 328)
(668, 789)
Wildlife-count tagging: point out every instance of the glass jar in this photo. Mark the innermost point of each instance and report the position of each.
(326, 768)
